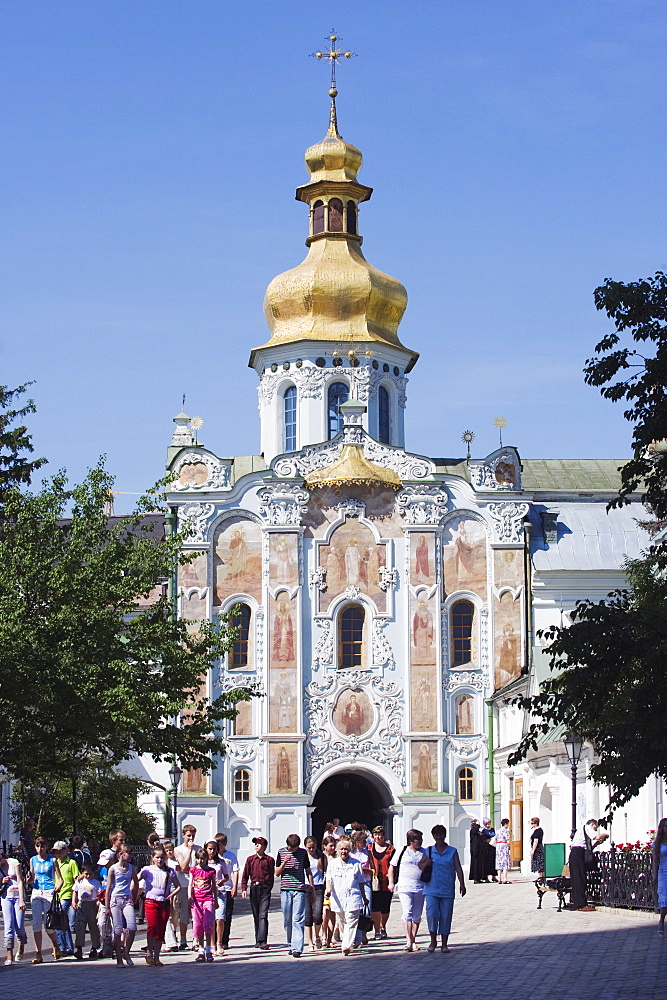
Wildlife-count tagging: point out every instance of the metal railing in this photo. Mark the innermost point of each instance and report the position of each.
(622, 879)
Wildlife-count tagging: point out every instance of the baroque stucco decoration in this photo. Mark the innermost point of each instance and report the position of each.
(242, 751)
(464, 678)
(219, 473)
(467, 748)
(422, 505)
(319, 456)
(508, 520)
(325, 745)
(498, 472)
(282, 504)
(197, 517)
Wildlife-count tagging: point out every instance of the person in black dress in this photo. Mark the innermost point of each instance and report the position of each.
(488, 835)
(537, 847)
(477, 872)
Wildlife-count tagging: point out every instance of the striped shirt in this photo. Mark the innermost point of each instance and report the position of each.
(296, 871)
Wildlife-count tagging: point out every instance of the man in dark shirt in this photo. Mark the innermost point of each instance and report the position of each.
(259, 872)
(293, 869)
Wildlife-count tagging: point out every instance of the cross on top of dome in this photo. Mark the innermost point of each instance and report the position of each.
(332, 55)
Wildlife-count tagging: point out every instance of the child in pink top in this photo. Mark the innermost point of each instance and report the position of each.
(204, 899)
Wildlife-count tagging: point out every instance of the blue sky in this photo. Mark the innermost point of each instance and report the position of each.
(152, 148)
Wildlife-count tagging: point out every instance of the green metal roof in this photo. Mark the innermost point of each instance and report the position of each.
(580, 475)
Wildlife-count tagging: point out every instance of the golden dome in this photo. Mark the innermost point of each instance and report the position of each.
(334, 294)
(353, 469)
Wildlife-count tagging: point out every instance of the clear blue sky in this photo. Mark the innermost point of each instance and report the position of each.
(151, 151)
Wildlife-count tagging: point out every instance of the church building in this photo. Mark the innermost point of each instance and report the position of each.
(386, 599)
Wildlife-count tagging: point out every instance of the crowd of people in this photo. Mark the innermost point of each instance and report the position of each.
(332, 895)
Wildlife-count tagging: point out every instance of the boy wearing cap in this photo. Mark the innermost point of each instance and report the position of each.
(259, 871)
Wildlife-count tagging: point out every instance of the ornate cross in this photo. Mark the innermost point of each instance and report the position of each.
(333, 54)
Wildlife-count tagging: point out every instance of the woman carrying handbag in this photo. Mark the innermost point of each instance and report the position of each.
(46, 881)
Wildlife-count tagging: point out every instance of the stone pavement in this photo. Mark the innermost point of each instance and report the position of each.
(502, 947)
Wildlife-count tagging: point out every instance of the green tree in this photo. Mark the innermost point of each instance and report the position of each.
(93, 662)
(15, 442)
(609, 683)
(104, 799)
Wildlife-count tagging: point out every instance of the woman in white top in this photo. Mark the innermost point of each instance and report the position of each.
(345, 893)
(409, 885)
(13, 905)
(314, 905)
(121, 895)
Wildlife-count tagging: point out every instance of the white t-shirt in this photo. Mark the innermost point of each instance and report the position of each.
(233, 865)
(409, 874)
(181, 853)
(579, 840)
(87, 889)
(346, 879)
(13, 867)
(182, 878)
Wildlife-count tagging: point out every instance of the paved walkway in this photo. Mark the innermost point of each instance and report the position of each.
(501, 948)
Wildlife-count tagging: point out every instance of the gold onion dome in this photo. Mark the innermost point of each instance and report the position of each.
(335, 294)
(353, 469)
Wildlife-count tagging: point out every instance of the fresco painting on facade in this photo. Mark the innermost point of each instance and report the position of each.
(465, 715)
(422, 632)
(352, 559)
(422, 558)
(381, 506)
(507, 640)
(193, 574)
(193, 607)
(282, 675)
(193, 474)
(243, 722)
(424, 765)
(238, 559)
(353, 713)
(283, 560)
(195, 782)
(508, 568)
(283, 768)
(464, 556)
(423, 699)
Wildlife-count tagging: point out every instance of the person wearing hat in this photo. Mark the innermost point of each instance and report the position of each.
(69, 872)
(259, 873)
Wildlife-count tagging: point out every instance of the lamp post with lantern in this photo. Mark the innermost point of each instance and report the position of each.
(573, 745)
(175, 774)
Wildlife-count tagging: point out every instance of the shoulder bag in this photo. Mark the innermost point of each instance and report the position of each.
(428, 868)
(55, 918)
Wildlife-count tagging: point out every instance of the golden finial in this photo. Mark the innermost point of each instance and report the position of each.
(468, 437)
(194, 426)
(500, 422)
(333, 54)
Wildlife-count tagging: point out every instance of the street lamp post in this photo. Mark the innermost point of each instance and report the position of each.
(573, 744)
(175, 774)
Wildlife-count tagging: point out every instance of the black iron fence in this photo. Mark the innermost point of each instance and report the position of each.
(622, 879)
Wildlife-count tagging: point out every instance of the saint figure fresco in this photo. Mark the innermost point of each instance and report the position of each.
(282, 650)
(352, 559)
(422, 563)
(424, 767)
(465, 715)
(283, 555)
(237, 551)
(283, 768)
(353, 714)
(423, 634)
(464, 555)
(507, 640)
(423, 699)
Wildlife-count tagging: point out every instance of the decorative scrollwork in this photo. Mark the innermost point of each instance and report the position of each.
(196, 516)
(500, 471)
(349, 507)
(318, 578)
(464, 678)
(318, 456)
(324, 647)
(218, 478)
(508, 520)
(422, 504)
(467, 748)
(382, 651)
(242, 752)
(282, 504)
(388, 577)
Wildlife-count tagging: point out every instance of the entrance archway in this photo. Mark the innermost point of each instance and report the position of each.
(351, 795)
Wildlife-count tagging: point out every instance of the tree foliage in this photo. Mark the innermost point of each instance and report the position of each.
(15, 442)
(609, 683)
(623, 371)
(93, 661)
(104, 799)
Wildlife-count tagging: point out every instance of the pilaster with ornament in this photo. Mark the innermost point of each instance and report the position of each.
(196, 517)
(508, 518)
(282, 504)
(422, 505)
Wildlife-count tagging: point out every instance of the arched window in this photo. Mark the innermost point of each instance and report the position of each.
(242, 785)
(335, 216)
(318, 217)
(383, 415)
(289, 409)
(466, 784)
(338, 393)
(239, 655)
(463, 614)
(351, 217)
(351, 636)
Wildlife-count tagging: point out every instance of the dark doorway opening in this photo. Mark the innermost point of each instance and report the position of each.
(351, 796)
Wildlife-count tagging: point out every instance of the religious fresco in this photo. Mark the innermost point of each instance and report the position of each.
(423, 699)
(242, 725)
(508, 568)
(237, 551)
(193, 474)
(193, 574)
(465, 715)
(423, 637)
(283, 768)
(424, 764)
(353, 713)
(282, 670)
(193, 607)
(422, 558)
(380, 505)
(283, 560)
(507, 640)
(352, 559)
(195, 782)
(464, 555)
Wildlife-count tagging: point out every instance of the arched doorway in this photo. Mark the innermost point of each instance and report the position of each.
(351, 795)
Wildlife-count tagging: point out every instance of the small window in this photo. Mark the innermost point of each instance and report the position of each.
(351, 636)
(335, 216)
(383, 415)
(318, 217)
(289, 406)
(351, 217)
(242, 785)
(239, 654)
(466, 784)
(338, 394)
(463, 614)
